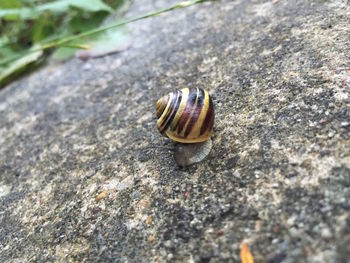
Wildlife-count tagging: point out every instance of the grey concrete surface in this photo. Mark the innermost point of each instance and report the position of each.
(85, 176)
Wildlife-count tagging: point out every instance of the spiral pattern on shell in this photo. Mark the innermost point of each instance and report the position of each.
(186, 116)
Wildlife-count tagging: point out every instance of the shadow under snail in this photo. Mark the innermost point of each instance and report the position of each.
(187, 117)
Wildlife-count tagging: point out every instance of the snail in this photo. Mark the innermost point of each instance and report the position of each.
(187, 117)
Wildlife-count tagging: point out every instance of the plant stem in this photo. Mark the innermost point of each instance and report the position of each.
(64, 41)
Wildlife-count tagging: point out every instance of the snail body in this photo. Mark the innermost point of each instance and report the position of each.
(187, 116)
(187, 154)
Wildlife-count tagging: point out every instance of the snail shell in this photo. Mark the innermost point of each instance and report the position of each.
(186, 116)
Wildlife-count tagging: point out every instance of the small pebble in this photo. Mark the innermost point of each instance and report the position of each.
(168, 243)
(331, 134)
(95, 210)
(148, 220)
(101, 196)
(326, 233)
(151, 238)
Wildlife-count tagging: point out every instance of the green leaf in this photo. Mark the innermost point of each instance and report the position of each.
(91, 5)
(6, 51)
(18, 13)
(4, 40)
(63, 6)
(19, 66)
(109, 42)
(10, 4)
(112, 41)
(68, 51)
(114, 3)
(57, 7)
(64, 53)
(43, 27)
(80, 22)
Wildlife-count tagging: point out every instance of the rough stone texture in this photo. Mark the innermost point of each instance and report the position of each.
(83, 177)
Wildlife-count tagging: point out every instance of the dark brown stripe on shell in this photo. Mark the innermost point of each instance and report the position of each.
(179, 97)
(197, 112)
(161, 107)
(173, 101)
(209, 118)
(191, 100)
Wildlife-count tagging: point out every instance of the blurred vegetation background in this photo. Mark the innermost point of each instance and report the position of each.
(26, 24)
(31, 30)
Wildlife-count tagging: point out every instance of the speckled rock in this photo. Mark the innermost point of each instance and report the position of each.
(83, 177)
